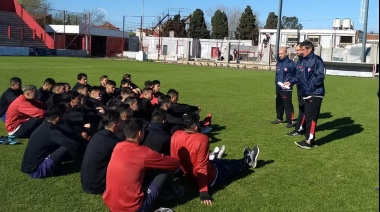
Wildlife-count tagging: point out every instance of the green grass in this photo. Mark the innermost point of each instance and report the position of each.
(341, 174)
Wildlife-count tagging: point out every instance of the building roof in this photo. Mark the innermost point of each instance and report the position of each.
(108, 25)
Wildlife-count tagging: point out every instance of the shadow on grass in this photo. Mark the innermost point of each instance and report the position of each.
(344, 127)
(326, 115)
(192, 192)
(215, 131)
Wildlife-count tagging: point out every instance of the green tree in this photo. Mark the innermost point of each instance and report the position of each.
(36, 6)
(174, 24)
(290, 22)
(219, 24)
(247, 24)
(271, 22)
(198, 28)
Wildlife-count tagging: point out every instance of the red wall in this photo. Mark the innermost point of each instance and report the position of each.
(40, 32)
(7, 5)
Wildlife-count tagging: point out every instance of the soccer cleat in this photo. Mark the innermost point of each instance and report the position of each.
(254, 154)
(207, 120)
(277, 121)
(221, 152)
(303, 144)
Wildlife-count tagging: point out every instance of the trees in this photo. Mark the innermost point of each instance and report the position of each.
(36, 6)
(290, 22)
(247, 24)
(197, 28)
(271, 22)
(219, 24)
(233, 15)
(174, 24)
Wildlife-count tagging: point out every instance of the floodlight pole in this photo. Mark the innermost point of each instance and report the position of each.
(278, 35)
(365, 31)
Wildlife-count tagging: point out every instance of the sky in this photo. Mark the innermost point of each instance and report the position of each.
(312, 14)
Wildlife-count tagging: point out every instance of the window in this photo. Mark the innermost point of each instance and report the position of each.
(314, 39)
(345, 39)
(292, 39)
(165, 49)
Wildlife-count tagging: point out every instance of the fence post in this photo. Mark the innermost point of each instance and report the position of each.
(9, 32)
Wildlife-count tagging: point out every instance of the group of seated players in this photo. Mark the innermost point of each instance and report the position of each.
(131, 142)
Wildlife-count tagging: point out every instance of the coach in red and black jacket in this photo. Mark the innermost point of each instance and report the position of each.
(312, 78)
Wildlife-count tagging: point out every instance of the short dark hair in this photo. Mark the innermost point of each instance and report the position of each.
(155, 82)
(190, 119)
(109, 117)
(15, 80)
(126, 90)
(307, 44)
(62, 98)
(163, 99)
(50, 81)
(172, 92)
(129, 100)
(146, 89)
(81, 86)
(72, 94)
(132, 127)
(113, 103)
(125, 81)
(111, 82)
(103, 77)
(127, 76)
(158, 115)
(96, 88)
(80, 75)
(124, 108)
(54, 111)
(148, 83)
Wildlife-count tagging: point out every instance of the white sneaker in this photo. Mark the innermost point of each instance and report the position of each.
(214, 153)
(221, 152)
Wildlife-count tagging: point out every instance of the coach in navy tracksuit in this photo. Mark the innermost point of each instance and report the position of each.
(311, 78)
(285, 72)
(300, 124)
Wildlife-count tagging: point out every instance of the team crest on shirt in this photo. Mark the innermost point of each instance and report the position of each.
(285, 69)
(309, 69)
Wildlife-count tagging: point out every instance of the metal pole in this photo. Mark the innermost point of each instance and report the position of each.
(141, 34)
(278, 36)
(123, 25)
(64, 21)
(365, 31)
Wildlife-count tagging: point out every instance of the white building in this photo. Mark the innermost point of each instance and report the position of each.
(324, 38)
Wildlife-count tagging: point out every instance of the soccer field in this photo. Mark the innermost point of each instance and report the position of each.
(340, 174)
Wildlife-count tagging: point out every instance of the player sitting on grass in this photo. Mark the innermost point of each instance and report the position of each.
(48, 145)
(98, 154)
(128, 187)
(192, 149)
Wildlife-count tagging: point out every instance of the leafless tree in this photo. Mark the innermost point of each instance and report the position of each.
(233, 16)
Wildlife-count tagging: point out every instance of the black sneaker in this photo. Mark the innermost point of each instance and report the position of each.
(253, 155)
(277, 121)
(289, 125)
(294, 133)
(303, 144)
(246, 154)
